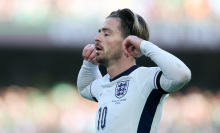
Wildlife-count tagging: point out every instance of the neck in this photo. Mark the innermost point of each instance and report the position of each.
(120, 66)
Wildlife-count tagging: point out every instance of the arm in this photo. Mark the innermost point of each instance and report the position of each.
(175, 74)
(88, 72)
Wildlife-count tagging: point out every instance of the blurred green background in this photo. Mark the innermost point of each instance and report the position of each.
(40, 52)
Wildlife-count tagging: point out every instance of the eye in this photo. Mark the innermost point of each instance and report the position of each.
(106, 34)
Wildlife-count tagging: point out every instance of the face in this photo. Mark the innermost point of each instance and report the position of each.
(109, 42)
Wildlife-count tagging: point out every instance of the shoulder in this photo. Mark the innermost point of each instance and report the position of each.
(144, 71)
(103, 80)
(96, 82)
(148, 68)
(146, 75)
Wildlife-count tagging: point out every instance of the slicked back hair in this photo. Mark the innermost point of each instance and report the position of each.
(131, 24)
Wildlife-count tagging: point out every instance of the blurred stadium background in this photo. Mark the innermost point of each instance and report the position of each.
(40, 53)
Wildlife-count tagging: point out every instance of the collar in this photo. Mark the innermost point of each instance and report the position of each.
(125, 73)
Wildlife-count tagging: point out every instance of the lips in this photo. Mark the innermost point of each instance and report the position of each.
(98, 48)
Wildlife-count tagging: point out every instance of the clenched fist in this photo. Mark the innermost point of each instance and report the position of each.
(131, 46)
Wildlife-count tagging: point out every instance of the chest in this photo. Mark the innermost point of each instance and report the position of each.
(121, 93)
(119, 102)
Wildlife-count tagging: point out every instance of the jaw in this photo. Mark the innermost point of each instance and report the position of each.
(102, 61)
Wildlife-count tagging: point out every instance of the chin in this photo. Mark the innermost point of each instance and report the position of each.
(101, 61)
(98, 59)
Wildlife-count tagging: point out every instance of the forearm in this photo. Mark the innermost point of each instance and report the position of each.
(87, 74)
(175, 73)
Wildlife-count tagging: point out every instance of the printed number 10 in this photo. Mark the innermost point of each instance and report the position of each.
(102, 117)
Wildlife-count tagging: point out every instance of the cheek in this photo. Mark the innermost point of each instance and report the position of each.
(114, 46)
(116, 49)
(118, 46)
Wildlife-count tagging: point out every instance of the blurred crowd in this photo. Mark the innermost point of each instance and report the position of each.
(195, 111)
(66, 22)
(36, 12)
(58, 110)
(61, 109)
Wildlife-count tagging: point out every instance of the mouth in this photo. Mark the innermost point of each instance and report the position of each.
(98, 48)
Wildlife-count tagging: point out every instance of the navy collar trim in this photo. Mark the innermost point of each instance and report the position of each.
(125, 73)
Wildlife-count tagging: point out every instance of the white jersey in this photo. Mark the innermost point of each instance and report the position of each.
(132, 102)
(129, 104)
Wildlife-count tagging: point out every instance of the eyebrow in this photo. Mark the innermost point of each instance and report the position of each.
(105, 29)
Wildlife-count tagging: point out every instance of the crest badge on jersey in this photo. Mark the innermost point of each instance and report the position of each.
(121, 89)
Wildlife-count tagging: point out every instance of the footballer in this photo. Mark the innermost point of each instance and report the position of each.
(130, 98)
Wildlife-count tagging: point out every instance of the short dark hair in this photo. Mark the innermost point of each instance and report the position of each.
(131, 24)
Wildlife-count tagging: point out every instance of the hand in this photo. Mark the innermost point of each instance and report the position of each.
(131, 46)
(89, 53)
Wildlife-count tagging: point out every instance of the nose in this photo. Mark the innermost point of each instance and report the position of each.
(97, 38)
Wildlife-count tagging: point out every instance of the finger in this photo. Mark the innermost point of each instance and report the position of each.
(132, 48)
(137, 53)
(93, 55)
(131, 53)
(85, 50)
(129, 49)
(88, 51)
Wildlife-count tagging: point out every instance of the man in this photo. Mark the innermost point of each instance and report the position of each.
(130, 98)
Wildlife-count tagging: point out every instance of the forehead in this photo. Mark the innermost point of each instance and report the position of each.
(112, 24)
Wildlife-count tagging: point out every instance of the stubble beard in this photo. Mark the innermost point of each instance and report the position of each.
(109, 57)
(100, 59)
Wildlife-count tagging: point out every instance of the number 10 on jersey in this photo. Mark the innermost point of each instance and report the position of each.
(102, 112)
